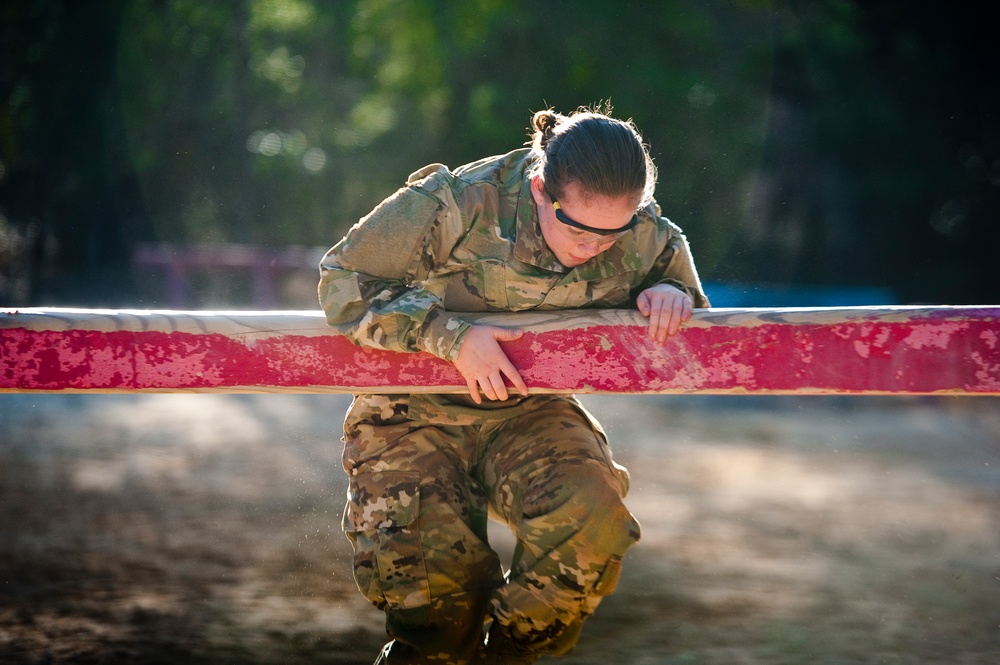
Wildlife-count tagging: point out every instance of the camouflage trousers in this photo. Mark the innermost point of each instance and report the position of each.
(425, 476)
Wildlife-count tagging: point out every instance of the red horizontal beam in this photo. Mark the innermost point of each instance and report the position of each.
(862, 350)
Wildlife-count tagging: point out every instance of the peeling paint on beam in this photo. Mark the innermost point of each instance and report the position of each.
(858, 350)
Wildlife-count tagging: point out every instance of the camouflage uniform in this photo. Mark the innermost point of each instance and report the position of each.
(426, 470)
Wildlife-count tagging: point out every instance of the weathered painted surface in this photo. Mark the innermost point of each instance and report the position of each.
(879, 350)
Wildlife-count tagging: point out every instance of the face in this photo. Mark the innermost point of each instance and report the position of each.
(571, 245)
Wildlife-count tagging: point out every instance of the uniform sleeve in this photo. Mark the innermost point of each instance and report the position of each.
(675, 266)
(371, 283)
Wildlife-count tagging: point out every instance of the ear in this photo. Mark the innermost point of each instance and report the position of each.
(538, 189)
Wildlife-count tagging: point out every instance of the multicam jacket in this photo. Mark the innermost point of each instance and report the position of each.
(469, 240)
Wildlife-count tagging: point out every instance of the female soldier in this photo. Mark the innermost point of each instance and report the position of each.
(567, 223)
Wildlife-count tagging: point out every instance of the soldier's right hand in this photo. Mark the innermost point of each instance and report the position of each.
(484, 364)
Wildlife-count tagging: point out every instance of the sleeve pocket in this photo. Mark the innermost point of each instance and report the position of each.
(382, 521)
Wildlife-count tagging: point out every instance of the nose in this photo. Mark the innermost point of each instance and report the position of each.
(592, 248)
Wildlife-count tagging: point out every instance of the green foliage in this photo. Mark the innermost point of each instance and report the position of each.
(284, 121)
(830, 141)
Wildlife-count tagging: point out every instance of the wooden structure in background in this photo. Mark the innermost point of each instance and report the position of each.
(859, 350)
(175, 266)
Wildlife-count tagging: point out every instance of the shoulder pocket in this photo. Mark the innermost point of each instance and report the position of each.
(406, 218)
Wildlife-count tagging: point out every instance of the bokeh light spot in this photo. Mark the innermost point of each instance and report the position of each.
(314, 160)
(270, 144)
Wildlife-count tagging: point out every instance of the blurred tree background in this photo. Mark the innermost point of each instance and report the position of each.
(832, 142)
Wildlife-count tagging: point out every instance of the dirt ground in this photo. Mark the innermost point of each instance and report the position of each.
(205, 529)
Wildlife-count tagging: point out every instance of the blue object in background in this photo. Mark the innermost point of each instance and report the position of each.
(780, 295)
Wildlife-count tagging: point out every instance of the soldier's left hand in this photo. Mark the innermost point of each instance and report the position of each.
(667, 307)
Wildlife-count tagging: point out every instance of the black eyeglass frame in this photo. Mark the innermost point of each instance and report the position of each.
(569, 221)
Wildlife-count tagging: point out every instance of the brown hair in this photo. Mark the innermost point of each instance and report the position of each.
(603, 155)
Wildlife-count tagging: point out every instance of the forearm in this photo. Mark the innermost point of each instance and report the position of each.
(388, 315)
(681, 272)
(674, 266)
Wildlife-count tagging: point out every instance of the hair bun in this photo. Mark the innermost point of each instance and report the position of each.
(544, 124)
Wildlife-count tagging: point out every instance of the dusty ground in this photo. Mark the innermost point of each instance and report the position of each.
(205, 529)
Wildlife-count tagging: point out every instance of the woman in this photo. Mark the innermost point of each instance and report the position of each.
(568, 223)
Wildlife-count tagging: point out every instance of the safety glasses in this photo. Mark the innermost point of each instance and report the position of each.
(569, 221)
